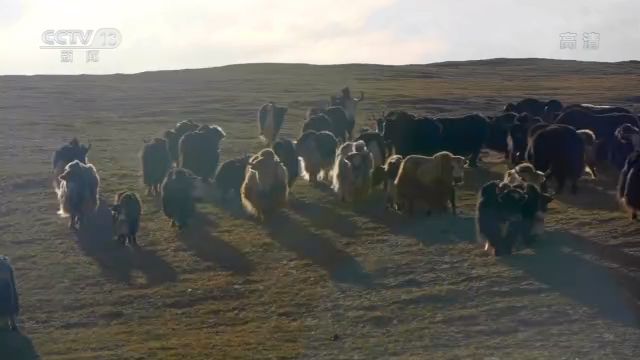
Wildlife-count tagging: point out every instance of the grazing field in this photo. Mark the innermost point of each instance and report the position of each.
(322, 280)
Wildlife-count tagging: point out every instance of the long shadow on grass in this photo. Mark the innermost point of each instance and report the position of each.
(475, 178)
(200, 239)
(592, 195)
(96, 240)
(291, 234)
(324, 217)
(16, 346)
(428, 230)
(560, 262)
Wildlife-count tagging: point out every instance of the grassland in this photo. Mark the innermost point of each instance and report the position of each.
(323, 280)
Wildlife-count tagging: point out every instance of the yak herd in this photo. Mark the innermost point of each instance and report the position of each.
(417, 160)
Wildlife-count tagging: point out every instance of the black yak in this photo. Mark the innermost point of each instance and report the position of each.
(558, 151)
(199, 151)
(498, 205)
(173, 137)
(405, 135)
(318, 151)
(270, 120)
(626, 140)
(464, 136)
(156, 162)
(285, 150)
(531, 226)
(230, 176)
(603, 126)
(177, 197)
(65, 155)
(126, 213)
(78, 194)
(317, 123)
(9, 303)
(375, 143)
(629, 184)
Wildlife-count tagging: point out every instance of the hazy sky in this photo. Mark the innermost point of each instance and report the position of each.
(175, 34)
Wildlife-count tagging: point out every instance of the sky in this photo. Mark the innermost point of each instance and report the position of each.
(172, 34)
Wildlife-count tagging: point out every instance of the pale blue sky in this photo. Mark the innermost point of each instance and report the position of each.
(166, 34)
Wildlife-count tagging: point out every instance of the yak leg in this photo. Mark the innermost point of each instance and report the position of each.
(409, 207)
(560, 184)
(13, 323)
(452, 199)
(574, 186)
(73, 220)
(473, 159)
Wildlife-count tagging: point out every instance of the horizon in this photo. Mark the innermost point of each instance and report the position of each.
(198, 34)
(487, 60)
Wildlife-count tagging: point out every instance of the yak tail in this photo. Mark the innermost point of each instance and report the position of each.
(247, 193)
(61, 191)
(335, 181)
(590, 173)
(248, 206)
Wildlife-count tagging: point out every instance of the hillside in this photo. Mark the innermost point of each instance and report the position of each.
(388, 286)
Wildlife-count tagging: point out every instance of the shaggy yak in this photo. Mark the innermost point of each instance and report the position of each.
(264, 189)
(65, 155)
(230, 176)
(375, 144)
(318, 152)
(285, 150)
(590, 159)
(464, 136)
(9, 303)
(387, 175)
(200, 151)
(499, 127)
(524, 173)
(126, 217)
(270, 119)
(78, 194)
(156, 162)
(603, 126)
(352, 171)
(332, 119)
(530, 106)
(498, 206)
(350, 105)
(533, 212)
(177, 197)
(520, 135)
(429, 180)
(404, 134)
(173, 137)
(626, 141)
(317, 122)
(558, 151)
(629, 185)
